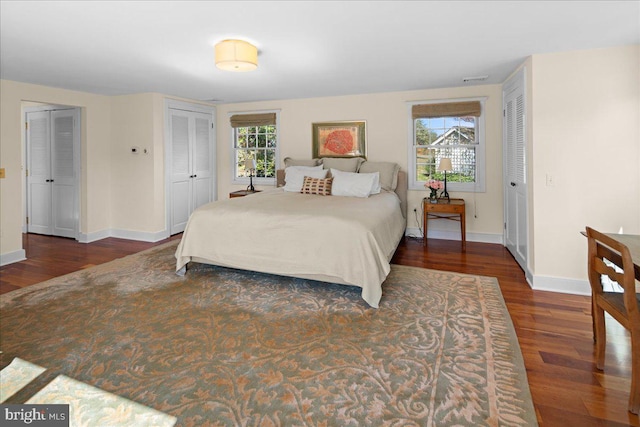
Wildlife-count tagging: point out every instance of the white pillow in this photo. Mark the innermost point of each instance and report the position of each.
(352, 184)
(375, 187)
(294, 176)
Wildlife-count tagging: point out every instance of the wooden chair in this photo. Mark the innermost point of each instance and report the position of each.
(624, 307)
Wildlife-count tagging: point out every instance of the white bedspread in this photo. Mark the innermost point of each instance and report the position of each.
(336, 239)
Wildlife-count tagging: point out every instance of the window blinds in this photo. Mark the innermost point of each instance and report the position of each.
(449, 109)
(246, 120)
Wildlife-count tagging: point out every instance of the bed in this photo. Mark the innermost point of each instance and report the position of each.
(344, 240)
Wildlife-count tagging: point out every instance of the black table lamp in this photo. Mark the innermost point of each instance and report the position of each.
(444, 166)
(250, 165)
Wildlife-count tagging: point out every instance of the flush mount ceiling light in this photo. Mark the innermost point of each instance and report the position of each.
(236, 55)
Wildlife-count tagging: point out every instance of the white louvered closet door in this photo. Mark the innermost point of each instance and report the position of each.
(180, 171)
(39, 173)
(191, 165)
(63, 175)
(52, 182)
(202, 168)
(515, 170)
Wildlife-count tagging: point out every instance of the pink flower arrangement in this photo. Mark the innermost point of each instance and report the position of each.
(434, 185)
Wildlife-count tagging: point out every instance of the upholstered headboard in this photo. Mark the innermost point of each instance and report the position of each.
(401, 191)
(401, 188)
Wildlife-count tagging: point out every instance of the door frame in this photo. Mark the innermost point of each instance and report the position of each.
(174, 104)
(77, 157)
(517, 79)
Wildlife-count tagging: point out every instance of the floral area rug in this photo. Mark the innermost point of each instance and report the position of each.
(228, 347)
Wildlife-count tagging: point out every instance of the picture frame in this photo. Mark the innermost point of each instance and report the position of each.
(339, 139)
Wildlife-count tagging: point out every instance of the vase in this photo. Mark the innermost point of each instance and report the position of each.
(433, 200)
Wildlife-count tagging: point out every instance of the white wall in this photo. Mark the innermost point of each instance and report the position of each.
(386, 115)
(585, 133)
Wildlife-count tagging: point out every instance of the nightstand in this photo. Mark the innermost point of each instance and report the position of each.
(242, 193)
(452, 209)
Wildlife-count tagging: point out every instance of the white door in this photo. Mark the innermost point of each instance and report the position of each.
(515, 177)
(39, 173)
(63, 174)
(201, 160)
(180, 170)
(52, 181)
(191, 158)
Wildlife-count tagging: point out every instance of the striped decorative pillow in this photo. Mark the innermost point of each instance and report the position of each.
(317, 186)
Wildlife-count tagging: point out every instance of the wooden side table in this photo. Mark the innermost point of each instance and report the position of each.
(452, 209)
(242, 193)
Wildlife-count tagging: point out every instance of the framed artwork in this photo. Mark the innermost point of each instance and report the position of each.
(339, 139)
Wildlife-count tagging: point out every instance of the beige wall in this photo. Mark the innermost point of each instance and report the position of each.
(122, 194)
(386, 115)
(583, 129)
(137, 181)
(585, 132)
(95, 143)
(125, 192)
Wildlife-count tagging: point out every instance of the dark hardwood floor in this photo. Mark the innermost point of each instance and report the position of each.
(554, 330)
(49, 257)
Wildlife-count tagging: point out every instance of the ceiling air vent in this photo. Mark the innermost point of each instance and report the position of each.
(475, 79)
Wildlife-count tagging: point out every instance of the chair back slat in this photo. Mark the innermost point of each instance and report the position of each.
(608, 271)
(626, 278)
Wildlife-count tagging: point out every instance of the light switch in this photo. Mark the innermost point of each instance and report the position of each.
(1, 172)
(551, 180)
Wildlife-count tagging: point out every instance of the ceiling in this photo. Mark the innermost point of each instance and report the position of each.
(306, 49)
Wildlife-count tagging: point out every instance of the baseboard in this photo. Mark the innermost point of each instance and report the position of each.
(93, 237)
(142, 236)
(455, 235)
(11, 257)
(123, 234)
(562, 285)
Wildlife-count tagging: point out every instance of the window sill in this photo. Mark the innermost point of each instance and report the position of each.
(256, 181)
(452, 187)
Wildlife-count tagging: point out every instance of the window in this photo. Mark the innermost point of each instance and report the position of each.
(448, 129)
(255, 136)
